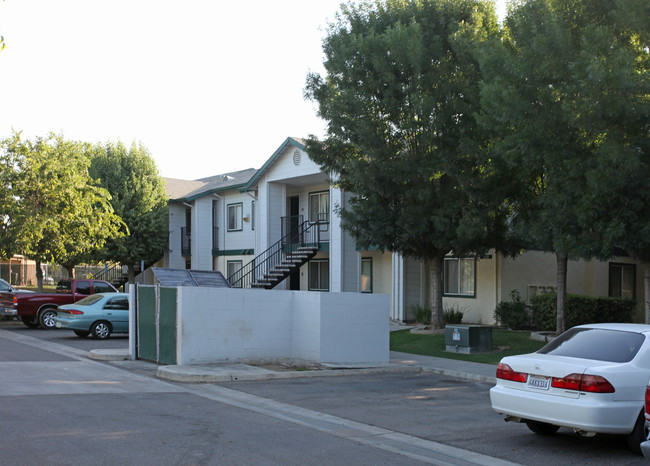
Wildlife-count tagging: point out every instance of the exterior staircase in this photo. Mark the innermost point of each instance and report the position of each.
(292, 262)
(279, 261)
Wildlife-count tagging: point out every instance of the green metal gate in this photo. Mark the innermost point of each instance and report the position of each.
(156, 324)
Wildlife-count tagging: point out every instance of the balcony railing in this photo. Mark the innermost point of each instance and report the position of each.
(186, 242)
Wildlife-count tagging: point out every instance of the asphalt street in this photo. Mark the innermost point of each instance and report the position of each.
(59, 407)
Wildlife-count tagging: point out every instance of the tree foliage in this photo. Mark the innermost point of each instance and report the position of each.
(139, 197)
(557, 96)
(54, 211)
(399, 97)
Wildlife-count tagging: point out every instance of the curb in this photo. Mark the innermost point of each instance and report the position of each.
(242, 372)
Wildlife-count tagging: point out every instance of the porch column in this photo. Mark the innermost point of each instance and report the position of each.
(397, 301)
(336, 242)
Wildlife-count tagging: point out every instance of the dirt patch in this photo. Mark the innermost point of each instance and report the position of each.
(279, 367)
(426, 330)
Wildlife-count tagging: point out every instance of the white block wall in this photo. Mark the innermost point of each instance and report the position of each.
(231, 325)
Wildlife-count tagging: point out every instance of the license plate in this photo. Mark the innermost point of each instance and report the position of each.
(539, 382)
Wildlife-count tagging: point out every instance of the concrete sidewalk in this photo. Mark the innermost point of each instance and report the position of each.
(399, 363)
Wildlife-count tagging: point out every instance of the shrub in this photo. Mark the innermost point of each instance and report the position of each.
(422, 314)
(580, 310)
(452, 314)
(514, 313)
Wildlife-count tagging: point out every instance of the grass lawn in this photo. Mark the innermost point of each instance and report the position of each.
(504, 343)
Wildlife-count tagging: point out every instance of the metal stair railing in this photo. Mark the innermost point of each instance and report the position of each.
(111, 274)
(307, 234)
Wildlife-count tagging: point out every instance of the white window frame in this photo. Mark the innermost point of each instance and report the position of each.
(233, 267)
(238, 217)
(624, 292)
(323, 206)
(366, 279)
(322, 274)
(464, 279)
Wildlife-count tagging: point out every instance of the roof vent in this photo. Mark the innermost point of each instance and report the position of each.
(296, 157)
(228, 177)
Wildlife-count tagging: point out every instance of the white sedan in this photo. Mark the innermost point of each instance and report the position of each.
(591, 379)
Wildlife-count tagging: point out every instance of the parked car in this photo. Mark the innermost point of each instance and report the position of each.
(592, 379)
(36, 309)
(6, 287)
(98, 315)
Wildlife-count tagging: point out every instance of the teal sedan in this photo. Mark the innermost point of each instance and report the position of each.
(99, 314)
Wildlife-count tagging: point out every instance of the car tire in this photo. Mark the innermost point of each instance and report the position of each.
(46, 318)
(542, 428)
(82, 333)
(101, 330)
(638, 435)
(29, 321)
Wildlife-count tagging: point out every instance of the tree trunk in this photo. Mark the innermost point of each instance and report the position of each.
(646, 290)
(437, 318)
(39, 276)
(70, 271)
(562, 261)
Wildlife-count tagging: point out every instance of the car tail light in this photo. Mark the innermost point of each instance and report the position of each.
(505, 372)
(15, 300)
(647, 403)
(71, 311)
(583, 383)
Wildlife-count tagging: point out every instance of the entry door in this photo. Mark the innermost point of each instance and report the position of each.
(294, 224)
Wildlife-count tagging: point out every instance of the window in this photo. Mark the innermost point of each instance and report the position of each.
(232, 267)
(101, 287)
(319, 275)
(597, 344)
(459, 276)
(235, 217)
(622, 281)
(366, 275)
(120, 304)
(83, 287)
(319, 206)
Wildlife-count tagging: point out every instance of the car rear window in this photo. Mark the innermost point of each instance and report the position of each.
(597, 344)
(88, 300)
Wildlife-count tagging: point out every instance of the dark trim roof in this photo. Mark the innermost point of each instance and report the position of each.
(187, 191)
(296, 142)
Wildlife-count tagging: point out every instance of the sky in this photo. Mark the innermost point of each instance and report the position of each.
(207, 86)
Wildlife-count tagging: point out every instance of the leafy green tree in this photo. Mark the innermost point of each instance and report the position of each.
(549, 87)
(54, 211)
(399, 96)
(139, 197)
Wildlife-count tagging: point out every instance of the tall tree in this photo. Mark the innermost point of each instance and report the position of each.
(139, 197)
(54, 210)
(399, 97)
(550, 125)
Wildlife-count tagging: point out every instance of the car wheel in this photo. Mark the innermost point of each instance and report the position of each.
(46, 318)
(29, 321)
(638, 435)
(101, 330)
(82, 333)
(542, 428)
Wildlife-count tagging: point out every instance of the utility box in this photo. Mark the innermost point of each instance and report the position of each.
(468, 339)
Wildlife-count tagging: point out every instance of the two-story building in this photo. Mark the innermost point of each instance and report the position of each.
(278, 227)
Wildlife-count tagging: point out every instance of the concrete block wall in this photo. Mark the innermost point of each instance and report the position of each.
(237, 325)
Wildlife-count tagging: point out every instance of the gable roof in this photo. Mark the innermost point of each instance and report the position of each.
(295, 142)
(189, 190)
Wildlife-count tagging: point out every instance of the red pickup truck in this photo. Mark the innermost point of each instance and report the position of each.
(36, 309)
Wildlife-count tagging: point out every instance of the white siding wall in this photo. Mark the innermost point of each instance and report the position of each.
(174, 258)
(202, 233)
